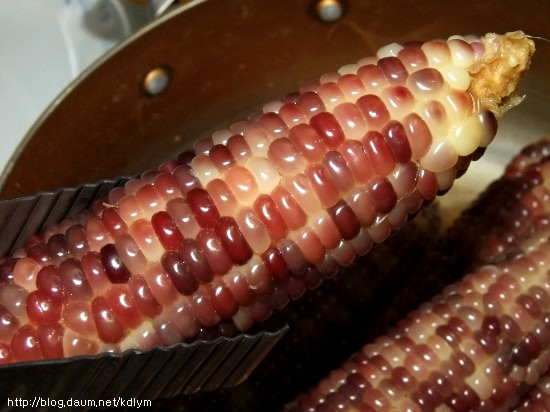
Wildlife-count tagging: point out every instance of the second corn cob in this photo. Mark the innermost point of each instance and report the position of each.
(215, 240)
(537, 399)
(480, 343)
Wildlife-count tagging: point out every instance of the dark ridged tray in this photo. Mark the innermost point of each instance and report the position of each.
(25, 216)
(147, 375)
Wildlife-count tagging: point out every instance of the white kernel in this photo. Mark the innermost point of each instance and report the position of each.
(465, 136)
(462, 53)
(456, 77)
(272, 106)
(481, 384)
(264, 172)
(456, 37)
(434, 115)
(204, 169)
(437, 53)
(440, 157)
(221, 136)
(367, 60)
(348, 69)
(257, 139)
(389, 50)
(129, 342)
(331, 77)
(243, 318)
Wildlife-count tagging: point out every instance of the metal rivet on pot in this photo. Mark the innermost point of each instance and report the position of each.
(156, 81)
(329, 10)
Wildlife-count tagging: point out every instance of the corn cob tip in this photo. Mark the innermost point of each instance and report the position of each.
(495, 77)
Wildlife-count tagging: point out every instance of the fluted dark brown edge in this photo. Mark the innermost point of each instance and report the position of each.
(25, 216)
(158, 372)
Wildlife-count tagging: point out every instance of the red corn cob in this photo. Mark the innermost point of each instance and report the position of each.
(218, 238)
(479, 343)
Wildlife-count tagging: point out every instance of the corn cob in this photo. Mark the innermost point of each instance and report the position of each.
(479, 343)
(218, 238)
(538, 398)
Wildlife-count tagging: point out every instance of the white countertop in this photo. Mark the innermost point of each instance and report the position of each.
(44, 44)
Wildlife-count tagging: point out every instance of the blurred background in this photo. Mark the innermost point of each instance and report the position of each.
(44, 45)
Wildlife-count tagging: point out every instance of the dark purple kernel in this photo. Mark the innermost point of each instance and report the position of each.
(203, 207)
(77, 242)
(57, 246)
(441, 382)
(6, 270)
(525, 351)
(179, 273)
(345, 219)
(114, 267)
(491, 324)
(233, 240)
(295, 260)
(221, 157)
(396, 136)
(275, 264)
(488, 341)
(227, 328)
(467, 367)
(480, 151)
(458, 326)
(382, 194)
(403, 378)
(39, 253)
(532, 345)
(350, 392)
(505, 363)
(336, 401)
(489, 123)
(530, 305)
(381, 363)
(185, 178)
(427, 397)
(325, 407)
(338, 171)
(357, 380)
(196, 262)
(185, 157)
(49, 281)
(447, 335)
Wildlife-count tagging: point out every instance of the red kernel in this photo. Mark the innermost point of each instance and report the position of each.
(108, 327)
(203, 207)
(326, 126)
(25, 345)
(167, 231)
(42, 309)
(50, 338)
